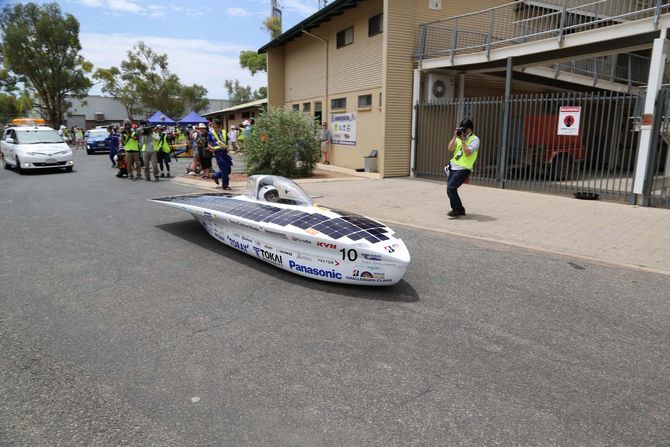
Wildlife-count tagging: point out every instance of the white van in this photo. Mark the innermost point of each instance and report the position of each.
(35, 147)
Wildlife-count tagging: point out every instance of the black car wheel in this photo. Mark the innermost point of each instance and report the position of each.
(18, 165)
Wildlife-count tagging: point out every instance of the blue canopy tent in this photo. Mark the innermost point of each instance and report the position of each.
(192, 118)
(160, 118)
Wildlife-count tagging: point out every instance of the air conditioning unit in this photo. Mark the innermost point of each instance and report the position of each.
(99, 116)
(439, 87)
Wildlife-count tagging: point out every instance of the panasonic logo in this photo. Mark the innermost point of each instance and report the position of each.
(314, 272)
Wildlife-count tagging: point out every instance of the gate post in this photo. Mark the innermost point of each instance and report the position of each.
(502, 163)
(416, 91)
(647, 129)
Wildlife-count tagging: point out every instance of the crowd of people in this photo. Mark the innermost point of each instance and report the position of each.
(73, 136)
(134, 148)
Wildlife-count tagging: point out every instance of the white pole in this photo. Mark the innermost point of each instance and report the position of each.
(656, 68)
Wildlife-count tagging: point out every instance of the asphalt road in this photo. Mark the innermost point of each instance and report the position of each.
(123, 323)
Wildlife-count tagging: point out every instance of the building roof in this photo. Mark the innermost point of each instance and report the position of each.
(246, 105)
(315, 20)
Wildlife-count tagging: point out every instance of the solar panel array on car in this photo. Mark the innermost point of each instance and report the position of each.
(352, 225)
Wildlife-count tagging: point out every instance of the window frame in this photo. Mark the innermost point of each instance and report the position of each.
(334, 107)
(372, 33)
(343, 32)
(367, 106)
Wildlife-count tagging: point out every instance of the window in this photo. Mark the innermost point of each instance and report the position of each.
(296, 107)
(364, 101)
(231, 117)
(375, 25)
(345, 37)
(246, 115)
(317, 106)
(380, 99)
(339, 103)
(307, 107)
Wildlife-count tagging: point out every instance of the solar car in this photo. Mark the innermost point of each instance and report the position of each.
(276, 222)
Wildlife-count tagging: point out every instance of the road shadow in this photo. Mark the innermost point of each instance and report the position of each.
(190, 230)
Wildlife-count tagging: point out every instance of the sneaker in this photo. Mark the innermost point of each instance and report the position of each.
(453, 213)
(168, 175)
(162, 175)
(216, 180)
(148, 179)
(130, 177)
(155, 179)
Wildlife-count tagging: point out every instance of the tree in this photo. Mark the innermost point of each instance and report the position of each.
(145, 84)
(282, 143)
(114, 85)
(41, 45)
(8, 107)
(195, 97)
(239, 94)
(273, 26)
(253, 61)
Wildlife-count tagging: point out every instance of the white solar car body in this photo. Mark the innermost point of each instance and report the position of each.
(298, 236)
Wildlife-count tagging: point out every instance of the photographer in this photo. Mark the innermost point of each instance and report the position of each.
(464, 145)
(149, 152)
(131, 146)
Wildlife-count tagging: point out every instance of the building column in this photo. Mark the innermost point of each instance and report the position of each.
(658, 56)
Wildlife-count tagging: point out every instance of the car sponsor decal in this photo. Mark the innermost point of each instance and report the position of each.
(276, 234)
(285, 252)
(392, 248)
(314, 271)
(311, 231)
(328, 261)
(244, 225)
(299, 239)
(371, 257)
(327, 245)
(272, 258)
(237, 244)
(246, 239)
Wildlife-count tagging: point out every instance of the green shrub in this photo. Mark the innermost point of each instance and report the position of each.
(282, 142)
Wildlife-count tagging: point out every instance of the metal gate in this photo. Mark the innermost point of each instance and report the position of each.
(531, 155)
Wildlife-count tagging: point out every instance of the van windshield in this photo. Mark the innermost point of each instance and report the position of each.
(37, 136)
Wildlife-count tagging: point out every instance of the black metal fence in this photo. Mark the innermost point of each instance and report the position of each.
(533, 154)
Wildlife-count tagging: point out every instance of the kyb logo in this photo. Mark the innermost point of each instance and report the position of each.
(272, 257)
(326, 245)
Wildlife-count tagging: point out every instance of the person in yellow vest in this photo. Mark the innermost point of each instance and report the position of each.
(465, 146)
(131, 144)
(163, 147)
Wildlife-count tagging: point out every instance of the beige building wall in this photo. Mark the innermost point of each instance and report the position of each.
(352, 71)
(380, 64)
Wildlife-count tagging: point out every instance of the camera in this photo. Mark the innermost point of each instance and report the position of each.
(460, 131)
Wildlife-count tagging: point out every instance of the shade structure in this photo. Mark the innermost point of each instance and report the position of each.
(192, 118)
(161, 118)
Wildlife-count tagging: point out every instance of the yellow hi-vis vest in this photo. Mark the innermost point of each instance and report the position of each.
(462, 159)
(163, 145)
(221, 142)
(130, 144)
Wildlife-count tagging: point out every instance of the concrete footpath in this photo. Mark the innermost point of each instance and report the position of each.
(613, 233)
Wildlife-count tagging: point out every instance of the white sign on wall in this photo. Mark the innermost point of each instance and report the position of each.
(343, 128)
(568, 120)
(435, 4)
